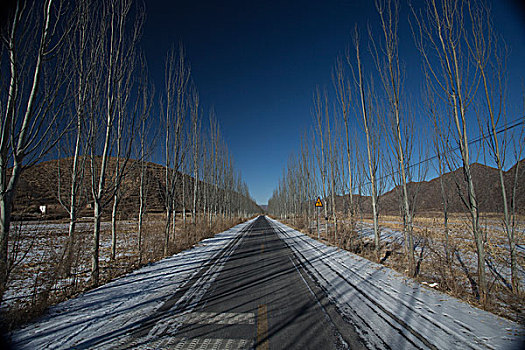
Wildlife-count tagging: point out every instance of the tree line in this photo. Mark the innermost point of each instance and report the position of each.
(76, 84)
(366, 137)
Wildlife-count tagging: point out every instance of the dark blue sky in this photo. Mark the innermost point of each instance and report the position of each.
(258, 63)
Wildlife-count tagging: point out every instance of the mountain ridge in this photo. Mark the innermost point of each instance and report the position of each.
(428, 197)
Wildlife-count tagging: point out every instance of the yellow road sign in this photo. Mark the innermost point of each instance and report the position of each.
(318, 203)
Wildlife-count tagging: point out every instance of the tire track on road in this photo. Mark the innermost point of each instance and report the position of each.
(398, 320)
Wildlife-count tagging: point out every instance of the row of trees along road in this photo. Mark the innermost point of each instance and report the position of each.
(364, 136)
(75, 83)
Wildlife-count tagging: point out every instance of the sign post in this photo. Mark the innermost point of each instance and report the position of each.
(318, 206)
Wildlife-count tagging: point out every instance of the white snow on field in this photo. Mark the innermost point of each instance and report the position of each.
(366, 230)
(35, 245)
(62, 227)
(391, 311)
(112, 308)
(387, 309)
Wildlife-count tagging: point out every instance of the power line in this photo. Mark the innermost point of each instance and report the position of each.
(507, 127)
(513, 124)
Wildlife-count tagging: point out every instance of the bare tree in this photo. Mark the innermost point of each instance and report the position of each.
(344, 99)
(147, 95)
(177, 75)
(519, 146)
(215, 166)
(196, 141)
(320, 134)
(439, 140)
(490, 55)
(83, 59)
(331, 132)
(126, 118)
(34, 56)
(118, 57)
(371, 142)
(387, 62)
(440, 32)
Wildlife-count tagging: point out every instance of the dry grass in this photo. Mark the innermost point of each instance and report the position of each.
(39, 279)
(456, 277)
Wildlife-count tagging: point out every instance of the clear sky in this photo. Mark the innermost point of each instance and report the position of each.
(258, 62)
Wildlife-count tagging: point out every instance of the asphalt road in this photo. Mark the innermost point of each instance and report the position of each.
(260, 297)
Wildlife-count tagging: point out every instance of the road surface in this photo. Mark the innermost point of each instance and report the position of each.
(263, 285)
(262, 298)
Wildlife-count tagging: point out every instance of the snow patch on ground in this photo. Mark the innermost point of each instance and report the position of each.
(392, 311)
(366, 230)
(122, 302)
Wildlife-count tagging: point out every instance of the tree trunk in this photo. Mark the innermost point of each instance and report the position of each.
(183, 200)
(6, 206)
(371, 170)
(512, 241)
(167, 230)
(141, 215)
(114, 227)
(95, 269)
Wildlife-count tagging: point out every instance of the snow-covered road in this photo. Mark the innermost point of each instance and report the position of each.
(387, 310)
(111, 311)
(391, 311)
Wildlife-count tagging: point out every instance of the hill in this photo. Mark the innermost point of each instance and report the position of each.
(39, 185)
(428, 197)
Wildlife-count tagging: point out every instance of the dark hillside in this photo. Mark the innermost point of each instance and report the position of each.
(39, 186)
(429, 197)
